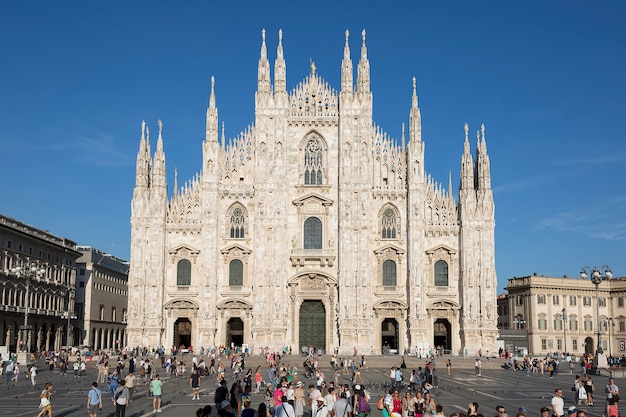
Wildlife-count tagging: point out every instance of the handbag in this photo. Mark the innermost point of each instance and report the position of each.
(381, 403)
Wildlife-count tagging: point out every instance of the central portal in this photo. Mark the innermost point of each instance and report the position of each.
(234, 332)
(182, 333)
(313, 325)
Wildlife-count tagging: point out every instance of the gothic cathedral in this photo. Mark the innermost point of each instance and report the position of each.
(313, 227)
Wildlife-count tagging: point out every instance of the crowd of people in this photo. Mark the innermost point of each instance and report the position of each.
(284, 392)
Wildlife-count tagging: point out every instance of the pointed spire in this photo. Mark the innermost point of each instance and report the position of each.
(223, 135)
(280, 71)
(483, 169)
(159, 161)
(363, 77)
(212, 95)
(450, 183)
(466, 145)
(175, 181)
(211, 115)
(263, 79)
(346, 68)
(467, 164)
(415, 117)
(160, 137)
(403, 140)
(142, 169)
(414, 96)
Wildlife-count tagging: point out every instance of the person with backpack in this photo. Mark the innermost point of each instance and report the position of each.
(120, 399)
(361, 405)
(94, 400)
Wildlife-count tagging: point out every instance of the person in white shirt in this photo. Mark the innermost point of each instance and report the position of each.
(322, 410)
(284, 409)
(33, 375)
(557, 403)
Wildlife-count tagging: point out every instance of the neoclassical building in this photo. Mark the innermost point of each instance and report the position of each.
(313, 227)
(102, 298)
(37, 288)
(564, 314)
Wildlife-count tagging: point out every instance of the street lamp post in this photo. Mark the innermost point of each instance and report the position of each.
(27, 270)
(564, 318)
(597, 275)
(610, 323)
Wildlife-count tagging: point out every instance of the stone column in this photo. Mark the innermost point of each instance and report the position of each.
(39, 339)
(48, 335)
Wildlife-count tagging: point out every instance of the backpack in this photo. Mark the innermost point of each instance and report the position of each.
(362, 404)
(381, 403)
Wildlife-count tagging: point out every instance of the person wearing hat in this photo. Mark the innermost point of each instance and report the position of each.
(572, 411)
(299, 399)
(322, 410)
(225, 410)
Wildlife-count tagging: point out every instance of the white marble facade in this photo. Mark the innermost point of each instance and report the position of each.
(313, 226)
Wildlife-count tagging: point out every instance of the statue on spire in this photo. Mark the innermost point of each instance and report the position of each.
(313, 67)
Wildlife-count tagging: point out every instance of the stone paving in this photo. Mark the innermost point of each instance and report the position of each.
(496, 386)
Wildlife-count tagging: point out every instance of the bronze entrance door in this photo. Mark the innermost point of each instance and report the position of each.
(313, 325)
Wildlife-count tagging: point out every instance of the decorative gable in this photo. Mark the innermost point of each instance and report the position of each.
(313, 198)
(389, 251)
(183, 252)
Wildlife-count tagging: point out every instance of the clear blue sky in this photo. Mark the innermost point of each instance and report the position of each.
(546, 78)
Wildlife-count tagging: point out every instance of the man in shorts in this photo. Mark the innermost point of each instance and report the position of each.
(194, 383)
(94, 400)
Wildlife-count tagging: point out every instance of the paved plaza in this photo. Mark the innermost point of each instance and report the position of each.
(496, 386)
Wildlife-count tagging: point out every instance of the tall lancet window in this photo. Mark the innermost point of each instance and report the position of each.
(313, 163)
(183, 273)
(313, 233)
(389, 224)
(389, 273)
(441, 274)
(237, 224)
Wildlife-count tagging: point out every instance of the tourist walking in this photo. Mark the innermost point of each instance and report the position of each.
(612, 393)
(16, 372)
(33, 375)
(45, 405)
(94, 400)
(131, 381)
(589, 388)
(155, 386)
(120, 399)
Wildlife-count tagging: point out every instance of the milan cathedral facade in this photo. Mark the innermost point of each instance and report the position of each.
(313, 227)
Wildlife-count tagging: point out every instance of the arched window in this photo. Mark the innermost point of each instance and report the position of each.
(312, 233)
(313, 163)
(235, 273)
(183, 272)
(389, 224)
(237, 224)
(441, 274)
(389, 273)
